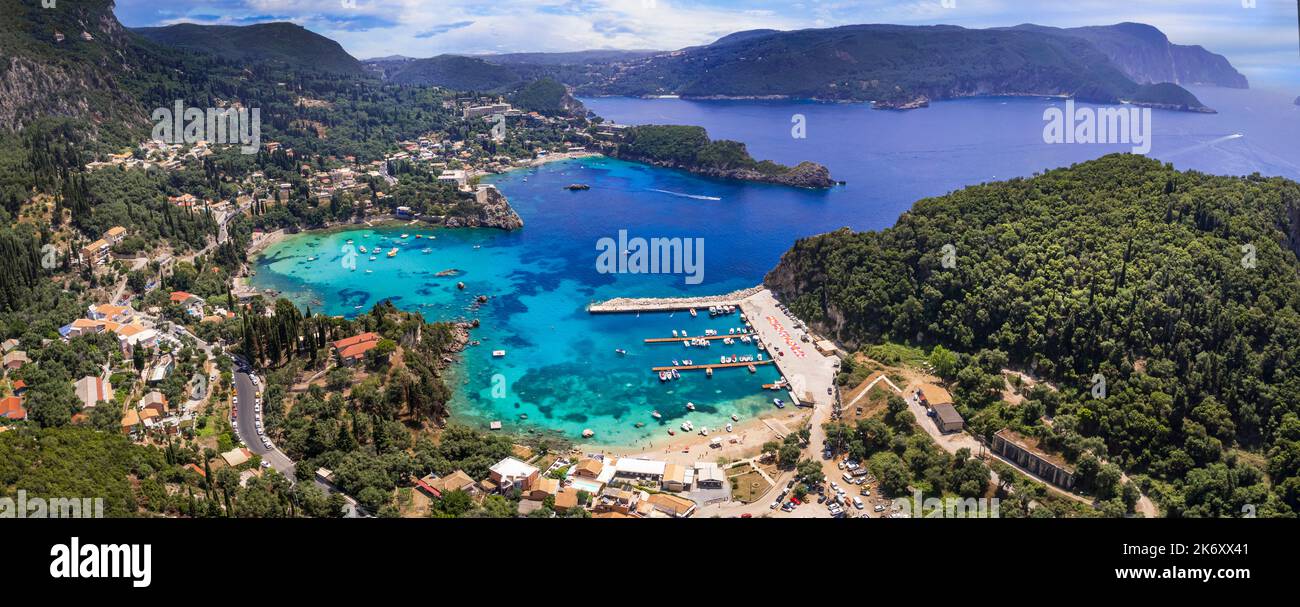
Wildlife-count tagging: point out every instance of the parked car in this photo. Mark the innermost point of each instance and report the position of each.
(865, 491)
(746, 515)
(857, 503)
(879, 508)
(840, 465)
(775, 505)
(848, 478)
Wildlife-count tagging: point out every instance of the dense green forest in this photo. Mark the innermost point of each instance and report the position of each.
(1178, 291)
(690, 147)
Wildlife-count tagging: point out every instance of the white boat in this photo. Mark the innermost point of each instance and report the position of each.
(620, 351)
(690, 406)
(372, 258)
(687, 426)
(728, 427)
(312, 258)
(693, 312)
(735, 418)
(709, 371)
(674, 332)
(362, 249)
(498, 353)
(656, 414)
(393, 252)
(779, 403)
(406, 236)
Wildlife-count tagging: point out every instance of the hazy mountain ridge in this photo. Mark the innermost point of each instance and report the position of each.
(1147, 56)
(890, 64)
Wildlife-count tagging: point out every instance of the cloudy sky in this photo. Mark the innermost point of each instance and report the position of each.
(1263, 40)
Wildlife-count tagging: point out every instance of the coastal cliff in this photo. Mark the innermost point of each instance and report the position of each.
(689, 148)
(490, 209)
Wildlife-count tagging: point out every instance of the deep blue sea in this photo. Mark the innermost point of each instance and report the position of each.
(560, 368)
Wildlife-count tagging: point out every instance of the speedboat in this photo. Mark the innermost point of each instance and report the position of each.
(728, 427)
(362, 249)
(406, 236)
(620, 351)
(779, 403)
(393, 252)
(656, 414)
(693, 312)
(690, 406)
(709, 371)
(752, 369)
(735, 418)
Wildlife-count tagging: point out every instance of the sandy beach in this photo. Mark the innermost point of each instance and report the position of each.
(688, 448)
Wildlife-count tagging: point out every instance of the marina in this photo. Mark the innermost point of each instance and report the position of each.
(709, 366)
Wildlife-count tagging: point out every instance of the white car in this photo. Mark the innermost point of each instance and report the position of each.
(857, 503)
(257, 408)
(260, 432)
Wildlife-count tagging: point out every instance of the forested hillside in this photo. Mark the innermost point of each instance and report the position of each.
(1180, 289)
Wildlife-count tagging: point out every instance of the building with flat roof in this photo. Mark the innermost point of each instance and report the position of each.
(511, 473)
(1025, 452)
(639, 469)
(708, 475)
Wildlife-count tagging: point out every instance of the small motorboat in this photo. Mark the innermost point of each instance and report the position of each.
(362, 249)
(780, 404)
(708, 371)
(693, 312)
(656, 414)
(406, 235)
(670, 432)
(752, 369)
(690, 406)
(620, 352)
(498, 353)
(577, 187)
(393, 252)
(728, 427)
(735, 418)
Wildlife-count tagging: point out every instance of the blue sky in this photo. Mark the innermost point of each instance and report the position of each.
(1262, 41)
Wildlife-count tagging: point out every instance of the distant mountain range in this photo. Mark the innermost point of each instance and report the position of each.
(1145, 54)
(894, 66)
(81, 62)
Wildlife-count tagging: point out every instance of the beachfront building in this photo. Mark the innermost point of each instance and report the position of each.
(511, 473)
(632, 468)
(708, 475)
(678, 477)
(588, 468)
(1024, 452)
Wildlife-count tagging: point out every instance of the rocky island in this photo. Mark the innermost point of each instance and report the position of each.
(689, 148)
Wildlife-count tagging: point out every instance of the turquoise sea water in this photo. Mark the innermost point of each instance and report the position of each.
(560, 367)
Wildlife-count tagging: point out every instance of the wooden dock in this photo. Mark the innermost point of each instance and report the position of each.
(710, 366)
(674, 340)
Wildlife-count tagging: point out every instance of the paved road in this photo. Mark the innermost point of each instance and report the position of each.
(246, 427)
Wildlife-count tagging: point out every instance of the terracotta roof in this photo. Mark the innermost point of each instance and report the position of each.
(11, 407)
(180, 296)
(357, 350)
(356, 339)
(589, 467)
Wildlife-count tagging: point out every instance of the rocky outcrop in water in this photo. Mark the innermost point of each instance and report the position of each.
(490, 210)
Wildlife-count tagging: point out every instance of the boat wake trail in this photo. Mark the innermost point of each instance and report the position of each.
(1204, 144)
(695, 196)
